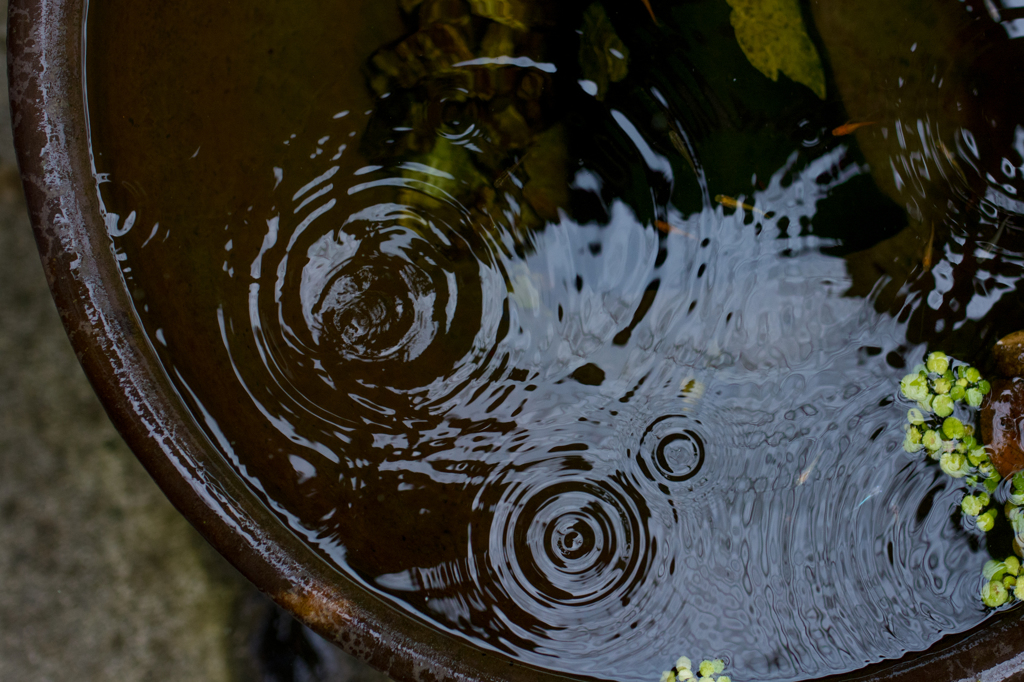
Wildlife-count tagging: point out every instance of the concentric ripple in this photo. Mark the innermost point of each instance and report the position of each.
(567, 544)
(672, 448)
(377, 312)
(572, 543)
(519, 375)
(399, 297)
(389, 290)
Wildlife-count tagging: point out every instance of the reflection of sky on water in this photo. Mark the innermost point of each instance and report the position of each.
(1014, 26)
(806, 542)
(805, 524)
(782, 538)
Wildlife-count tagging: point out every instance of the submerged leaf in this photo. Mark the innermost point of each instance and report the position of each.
(772, 35)
(546, 164)
(512, 13)
(498, 41)
(604, 58)
(446, 171)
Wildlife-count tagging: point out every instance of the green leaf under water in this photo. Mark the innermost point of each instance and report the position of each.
(604, 58)
(512, 13)
(772, 35)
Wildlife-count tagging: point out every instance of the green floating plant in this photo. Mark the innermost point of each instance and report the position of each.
(707, 671)
(940, 387)
(1001, 582)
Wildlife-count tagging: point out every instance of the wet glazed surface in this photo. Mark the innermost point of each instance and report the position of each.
(530, 414)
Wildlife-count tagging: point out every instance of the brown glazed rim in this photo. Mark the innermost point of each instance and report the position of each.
(48, 112)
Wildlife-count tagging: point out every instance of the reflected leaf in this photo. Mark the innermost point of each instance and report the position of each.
(773, 37)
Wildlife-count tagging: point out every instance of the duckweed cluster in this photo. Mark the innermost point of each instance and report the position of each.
(940, 388)
(1001, 582)
(707, 671)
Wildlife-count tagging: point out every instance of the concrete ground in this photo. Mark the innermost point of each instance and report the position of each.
(100, 578)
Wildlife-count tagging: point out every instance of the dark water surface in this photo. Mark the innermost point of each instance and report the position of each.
(514, 404)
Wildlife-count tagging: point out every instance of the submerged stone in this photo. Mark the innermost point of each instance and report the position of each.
(1002, 416)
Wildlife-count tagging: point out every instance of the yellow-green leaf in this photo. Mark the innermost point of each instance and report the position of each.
(772, 35)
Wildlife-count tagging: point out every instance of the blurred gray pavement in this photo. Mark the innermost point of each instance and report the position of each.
(100, 577)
